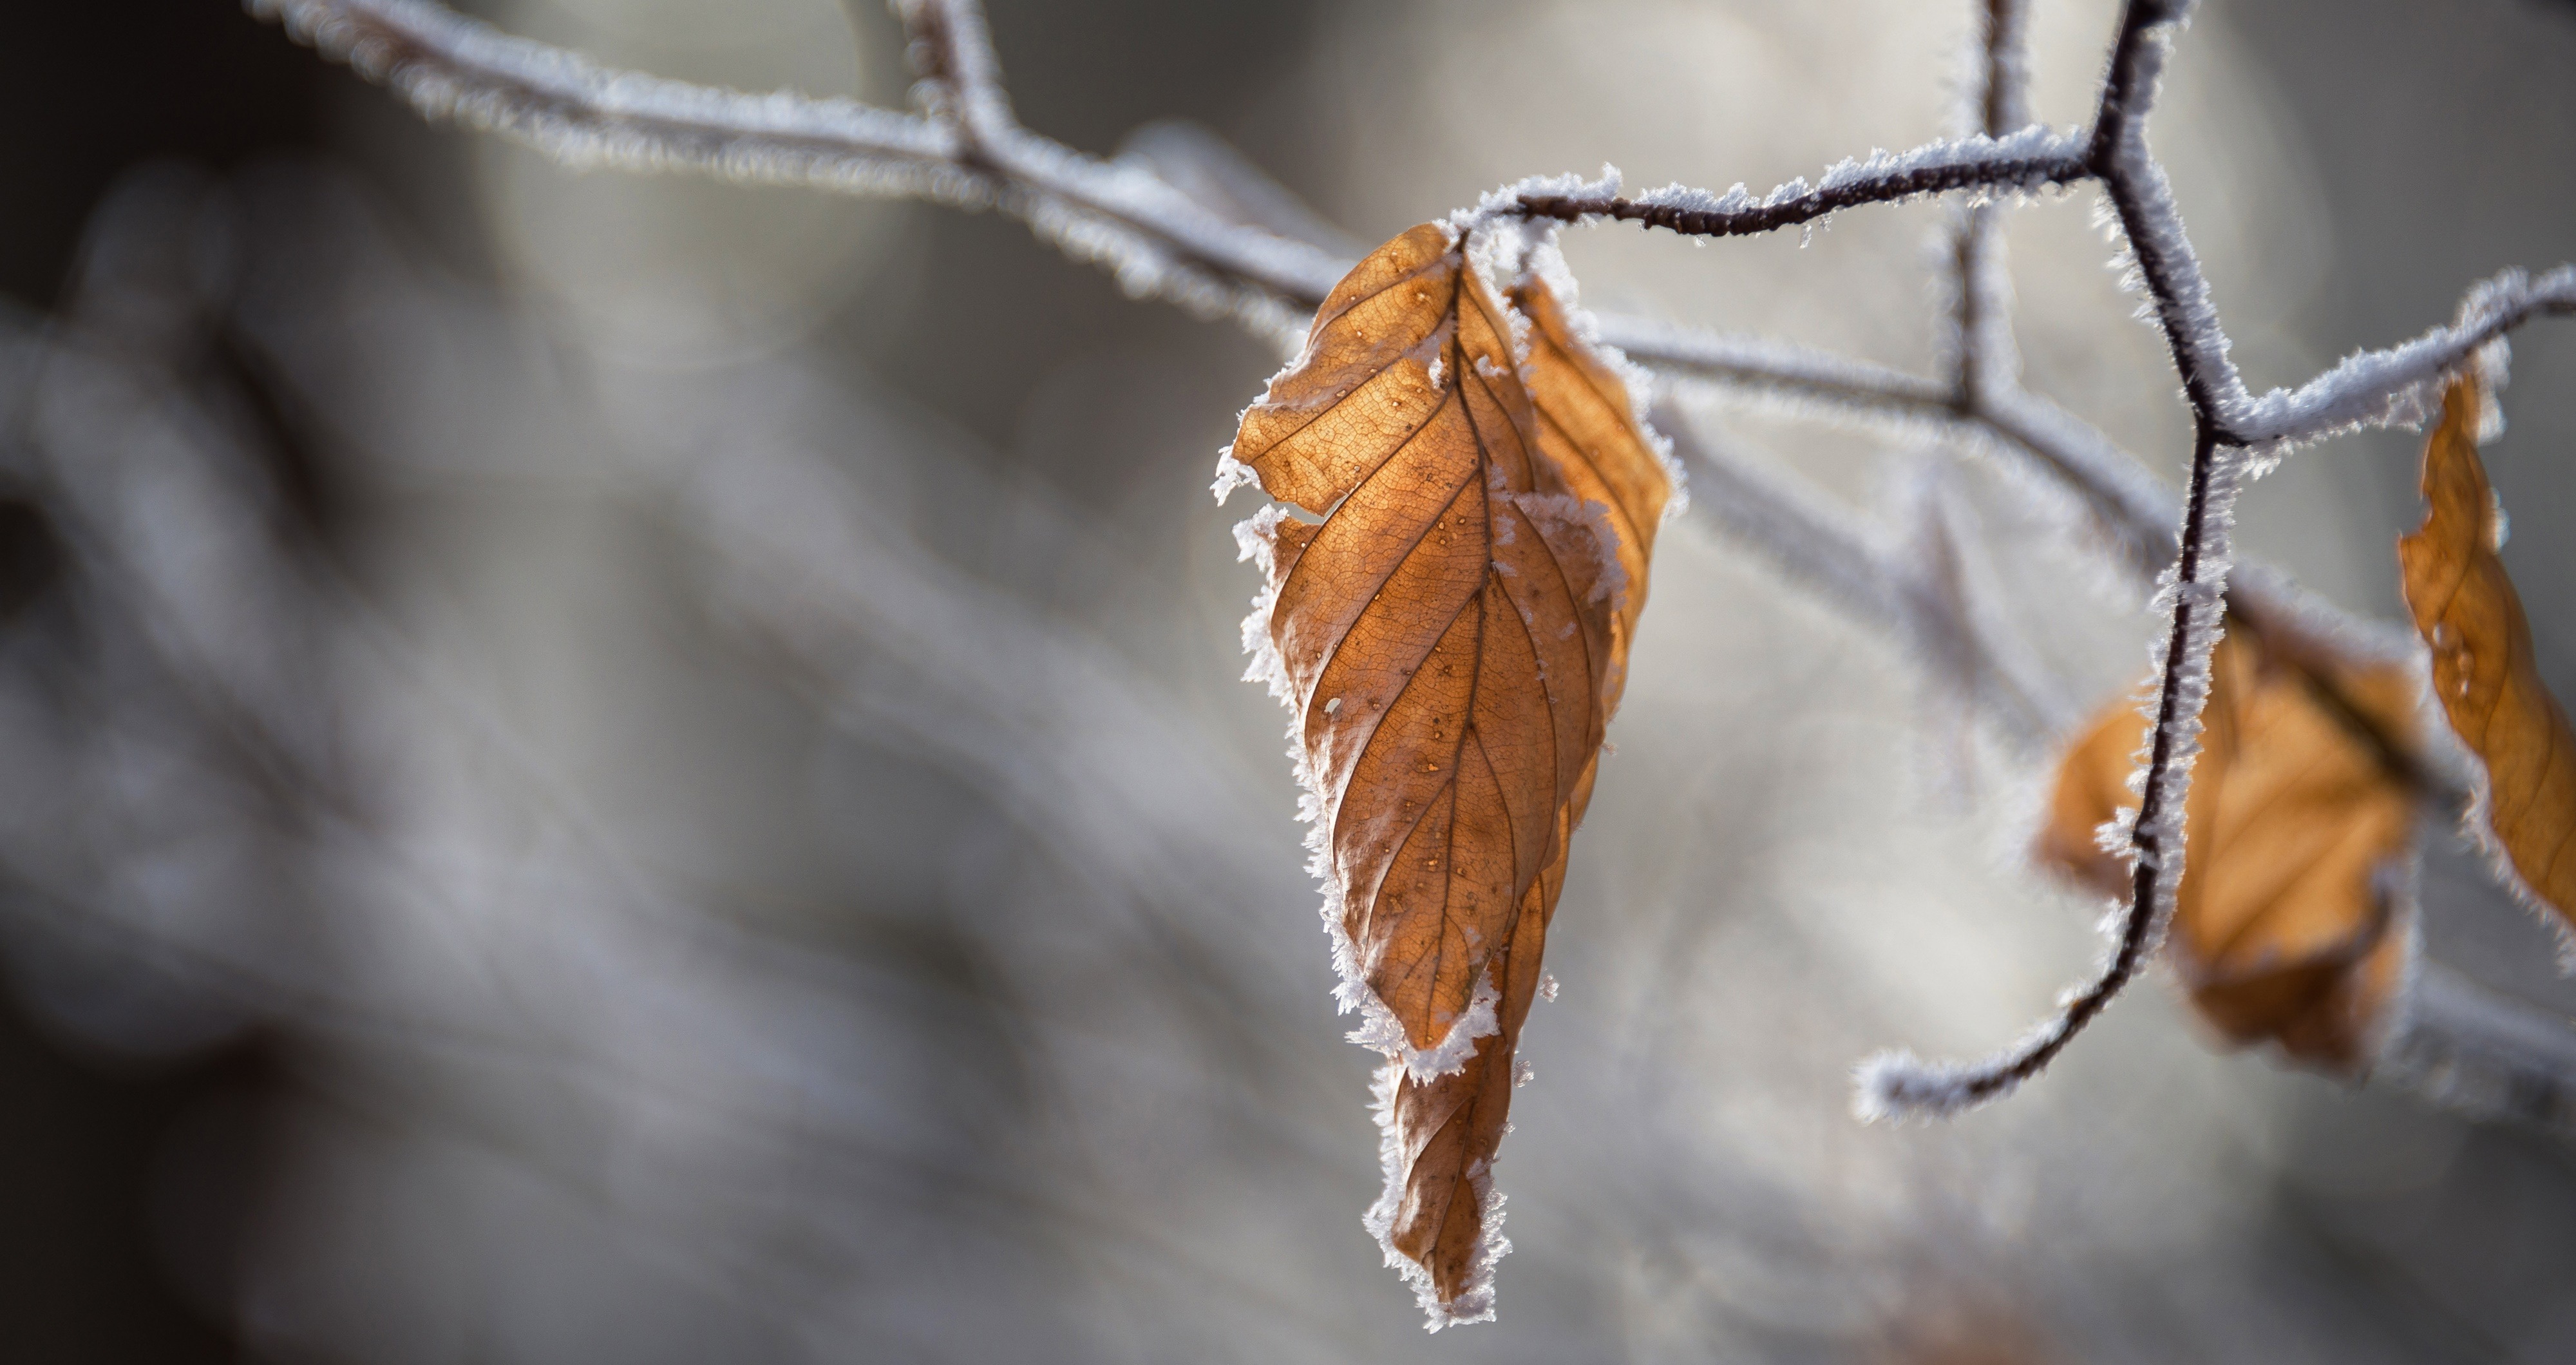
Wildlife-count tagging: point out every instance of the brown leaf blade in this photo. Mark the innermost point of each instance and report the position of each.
(2484, 670)
(1588, 430)
(1449, 637)
(2288, 926)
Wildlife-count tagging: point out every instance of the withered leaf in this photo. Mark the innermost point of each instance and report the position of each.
(1450, 636)
(1587, 428)
(2298, 828)
(2483, 668)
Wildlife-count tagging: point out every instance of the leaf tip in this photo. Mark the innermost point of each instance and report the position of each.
(1471, 1295)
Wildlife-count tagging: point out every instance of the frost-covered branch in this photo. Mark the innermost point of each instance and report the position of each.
(1973, 645)
(1982, 353)
(1824, 549)
(2469, 1049)
(2134, 511)
(951, 50)
(2401, 385)
(2194, 588)
(1163, 238)
(2135, 514)
(967, 152)
(1145, 224)
(1816, 378)
(2003, 84)
(575, 111)
(2022, 162)
(2164, 267)
(2195, 592)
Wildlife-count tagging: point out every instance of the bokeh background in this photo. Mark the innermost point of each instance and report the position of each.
(631, 769)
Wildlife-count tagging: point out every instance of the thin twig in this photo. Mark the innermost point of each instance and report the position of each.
(2401, 384)
(1824, 549)
(2134, 511)
(2135, 514)
(1982, 351)
(1806, 536)
(951, 50)
(1156, 240)
(2022, 163)
(1160, 241)
(2003, 77)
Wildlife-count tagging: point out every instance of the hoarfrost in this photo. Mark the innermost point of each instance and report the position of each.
(2036, 144)
(1475, 1299)
(2400, 386)
(1232, 474)
(1501, 206)
(1688, 199)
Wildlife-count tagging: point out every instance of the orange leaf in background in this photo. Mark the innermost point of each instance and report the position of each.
(2483, 669)
(2301, 809)
(1450, 637)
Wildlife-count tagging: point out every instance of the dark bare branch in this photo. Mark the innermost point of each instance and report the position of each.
(1977, 163)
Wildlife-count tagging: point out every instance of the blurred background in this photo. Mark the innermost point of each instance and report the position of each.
(602, 768)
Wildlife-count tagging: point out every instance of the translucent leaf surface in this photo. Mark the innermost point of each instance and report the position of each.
(2483, 668)
(1449, 636)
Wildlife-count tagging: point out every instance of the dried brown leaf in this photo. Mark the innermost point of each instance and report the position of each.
(1588, 430)
(2299, 827)
(1450, 637)
(2483, 667)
